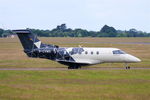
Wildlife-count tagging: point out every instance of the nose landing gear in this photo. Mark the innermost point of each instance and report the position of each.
(127, 66)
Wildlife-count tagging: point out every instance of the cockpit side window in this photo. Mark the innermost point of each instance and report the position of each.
(76, 51)
(118, 52)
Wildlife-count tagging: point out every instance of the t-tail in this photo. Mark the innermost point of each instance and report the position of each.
(31, 44)
(28, 40)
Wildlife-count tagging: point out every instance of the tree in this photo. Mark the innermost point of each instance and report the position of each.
(132, 33)
(107, 31)
(1, 32)
(62, 27)
(6, 33)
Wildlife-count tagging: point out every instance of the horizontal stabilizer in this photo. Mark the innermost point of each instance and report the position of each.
(21, 31)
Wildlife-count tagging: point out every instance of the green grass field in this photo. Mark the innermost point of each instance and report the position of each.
(74, 84)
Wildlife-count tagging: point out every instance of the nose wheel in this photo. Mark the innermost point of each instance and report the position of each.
(127, 66)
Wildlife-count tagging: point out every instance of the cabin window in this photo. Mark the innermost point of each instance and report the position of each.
(97, 53)
(92, 53)
(118, 52)
(86, 52)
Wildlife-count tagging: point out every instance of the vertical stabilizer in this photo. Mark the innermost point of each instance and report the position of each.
(28, 40)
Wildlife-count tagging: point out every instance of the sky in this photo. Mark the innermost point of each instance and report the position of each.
(86, 14)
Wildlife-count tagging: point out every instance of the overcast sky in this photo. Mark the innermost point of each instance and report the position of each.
(86, 14)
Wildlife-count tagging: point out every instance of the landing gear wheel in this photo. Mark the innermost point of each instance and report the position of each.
(74, 66)
(127, 67)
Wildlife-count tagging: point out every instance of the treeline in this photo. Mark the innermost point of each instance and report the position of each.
(63, 31)
(5, 33)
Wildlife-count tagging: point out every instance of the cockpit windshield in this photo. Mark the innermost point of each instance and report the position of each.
(118, 52)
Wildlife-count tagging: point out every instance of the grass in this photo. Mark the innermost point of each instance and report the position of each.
(75, 85)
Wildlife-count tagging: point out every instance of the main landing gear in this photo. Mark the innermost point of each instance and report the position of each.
(127, 66)
(74, 66)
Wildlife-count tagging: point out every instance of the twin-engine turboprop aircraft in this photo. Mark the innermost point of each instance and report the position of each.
(74, 58)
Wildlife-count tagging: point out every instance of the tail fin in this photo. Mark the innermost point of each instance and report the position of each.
(28, 40)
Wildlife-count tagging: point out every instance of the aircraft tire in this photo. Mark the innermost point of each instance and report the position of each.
(74, 67)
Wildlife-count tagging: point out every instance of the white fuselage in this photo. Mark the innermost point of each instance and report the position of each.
(103, 55)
